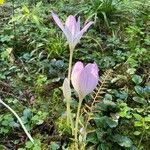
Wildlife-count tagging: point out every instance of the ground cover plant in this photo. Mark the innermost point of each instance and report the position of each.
(74, 75)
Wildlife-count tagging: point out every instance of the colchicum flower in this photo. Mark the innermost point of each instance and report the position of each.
(84, 79)
(71, 29)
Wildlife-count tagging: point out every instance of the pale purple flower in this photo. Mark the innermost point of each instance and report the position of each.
(71, 29)
(84, 79)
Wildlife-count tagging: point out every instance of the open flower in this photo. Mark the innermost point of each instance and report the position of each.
(84, 79)
(71, 29)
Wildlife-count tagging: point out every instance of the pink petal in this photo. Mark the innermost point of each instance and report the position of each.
(88, 79)
(66, 89)
(78, 67)
(68, 35)
(57, 20)
(78, 25)
(80, 34)
(85, 28)
(71, 24)
(65, 30)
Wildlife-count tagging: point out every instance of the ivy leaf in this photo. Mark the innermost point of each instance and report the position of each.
(137, 116)
(92, 137)
(136, 79)
(111, 123)
(139, 100)
(103, 147)
(139, 90)
(137, 133)
(54, 146)
(147, 118)
(29, 144)
(123, 141)
(27, 113)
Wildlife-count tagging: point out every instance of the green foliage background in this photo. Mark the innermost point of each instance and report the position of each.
(33, 64)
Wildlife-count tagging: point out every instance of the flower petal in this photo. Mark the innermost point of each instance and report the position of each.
(66, 89)
(58, 22)
(88, 79)
(65, 30)
(71, 24)
(78, 25)
(75, 76)
(80, 34)
(85, 28)
(68, 35)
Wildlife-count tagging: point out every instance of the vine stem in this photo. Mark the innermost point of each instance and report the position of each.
(19, 119)
(77, 123)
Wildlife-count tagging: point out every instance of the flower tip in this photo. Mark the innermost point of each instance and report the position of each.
(95, 66)
(53, 14)
(66, 89)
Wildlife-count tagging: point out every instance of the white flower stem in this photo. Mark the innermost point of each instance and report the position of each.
(70, 64)
(77, 122)
(69, 116)
(20, 121)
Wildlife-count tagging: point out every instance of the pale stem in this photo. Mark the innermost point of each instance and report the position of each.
(20, 121)
(70, 64)
(69, 117)
(77, 122)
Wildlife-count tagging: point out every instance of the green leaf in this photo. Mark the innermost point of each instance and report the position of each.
(27, 113)
(25, 10)
(137, 116)
(54, 146)
(140, 100)
(123, 141)
(36, 148)
(136, 79)
(139, 90)
(131, 70)
(137, 133)
(92, 137)
(147, 118)
(36, 20)
(2, 147)
(103, 147)
(138, 124)
(29, 144)
(111, 123)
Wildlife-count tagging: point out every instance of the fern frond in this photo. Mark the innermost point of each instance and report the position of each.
(101, 88)
(97, 94)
